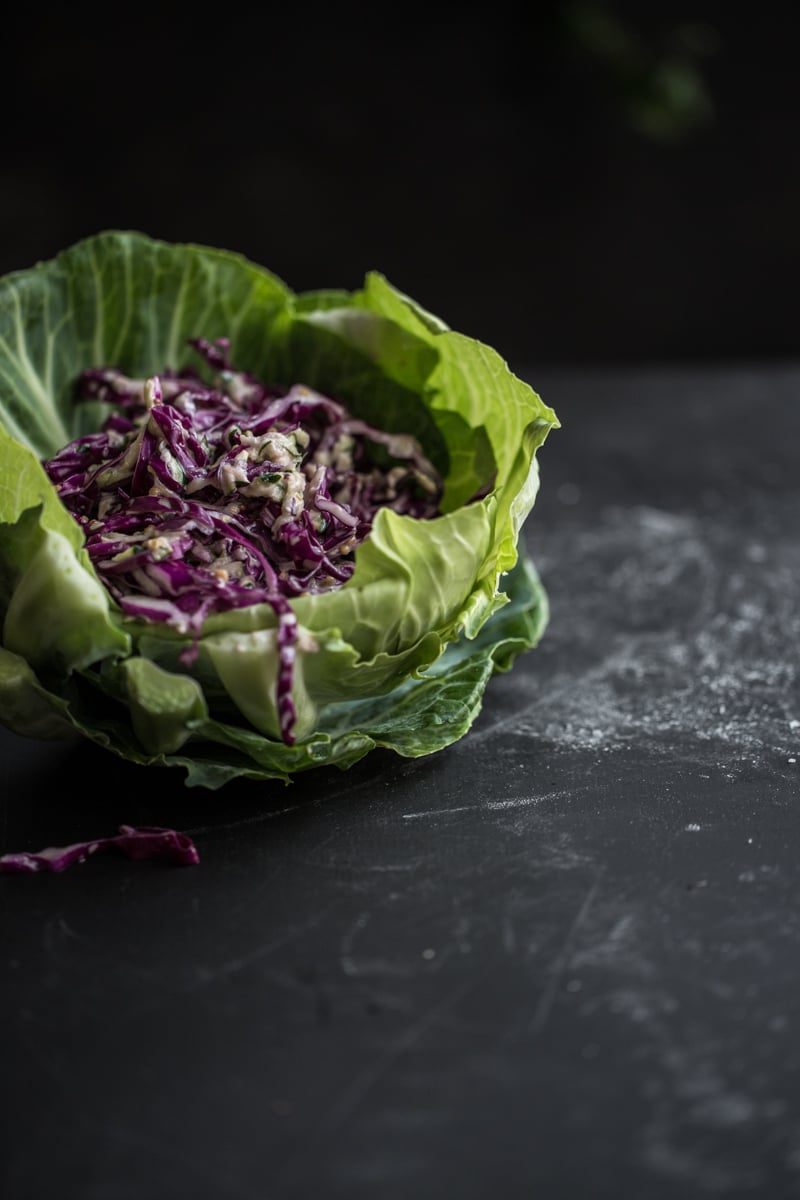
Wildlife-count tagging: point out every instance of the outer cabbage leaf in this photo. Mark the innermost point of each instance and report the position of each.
(426, 713)
(404, 633)
(55, 612)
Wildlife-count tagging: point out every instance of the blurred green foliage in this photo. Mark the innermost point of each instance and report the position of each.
(656, 80)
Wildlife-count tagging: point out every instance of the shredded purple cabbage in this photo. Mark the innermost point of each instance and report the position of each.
(198, 498)
(146, 841)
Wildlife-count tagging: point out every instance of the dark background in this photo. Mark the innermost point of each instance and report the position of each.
(570, 182)
(562, 957)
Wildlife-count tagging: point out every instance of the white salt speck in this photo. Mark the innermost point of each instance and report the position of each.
(792, 760)
(429, 954)
(692, 828)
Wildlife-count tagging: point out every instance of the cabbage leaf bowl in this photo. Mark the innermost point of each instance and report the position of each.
(397, 657)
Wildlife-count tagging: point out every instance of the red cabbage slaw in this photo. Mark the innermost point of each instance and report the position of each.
(146, 841)
(198, 497)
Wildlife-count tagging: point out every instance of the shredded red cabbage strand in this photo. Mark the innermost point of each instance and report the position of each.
(146, 841)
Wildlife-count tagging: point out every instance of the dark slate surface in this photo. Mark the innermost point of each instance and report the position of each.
(561, 958)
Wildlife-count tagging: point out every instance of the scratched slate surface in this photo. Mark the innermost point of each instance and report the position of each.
(560, 958)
